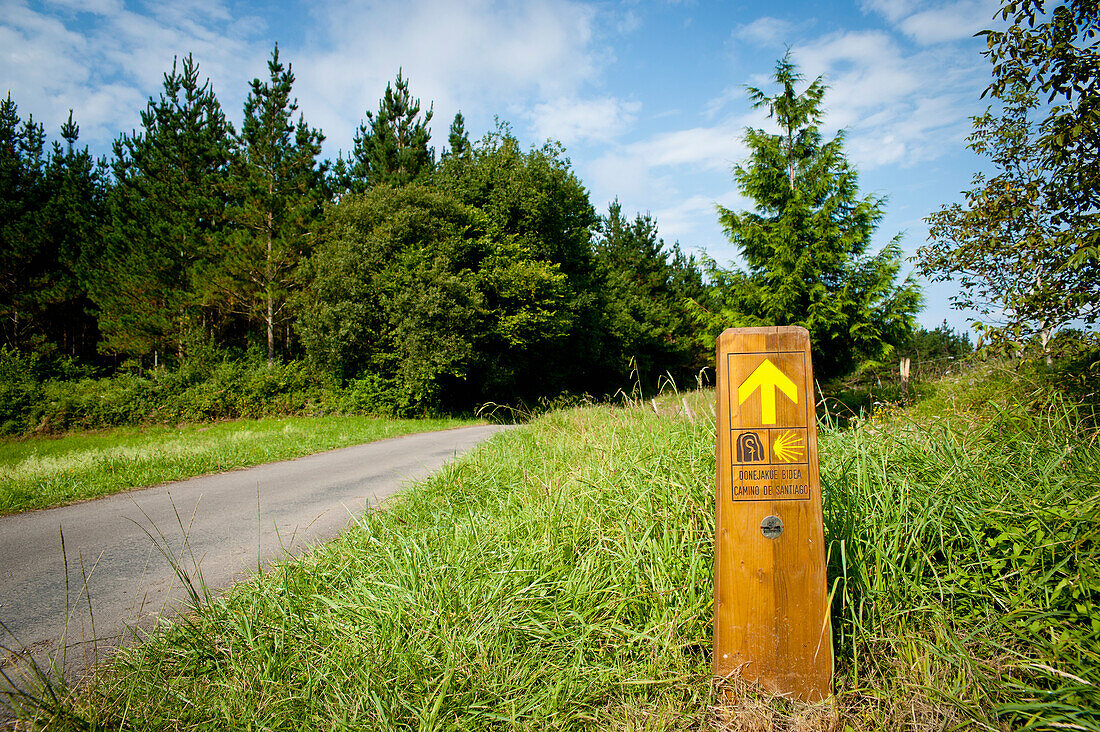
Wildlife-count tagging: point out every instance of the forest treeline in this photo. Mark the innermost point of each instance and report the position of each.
(444, 280)
(212, 271)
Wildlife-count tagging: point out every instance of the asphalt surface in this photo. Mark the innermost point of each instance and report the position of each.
(79, 580)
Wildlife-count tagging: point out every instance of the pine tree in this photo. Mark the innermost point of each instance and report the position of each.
(458, 138)
(50, 206)
(393, 147)
(645, 289)
(278, 187)
(167, 218)
(21, 176)
(806, 244)
(72, 216)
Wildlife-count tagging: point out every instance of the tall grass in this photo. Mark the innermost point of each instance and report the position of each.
(560, 578)
(966, 552)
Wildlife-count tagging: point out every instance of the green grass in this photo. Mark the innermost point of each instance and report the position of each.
(560, 578)
(43, 472)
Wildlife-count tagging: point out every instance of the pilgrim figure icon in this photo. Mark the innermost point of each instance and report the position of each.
(750, 448)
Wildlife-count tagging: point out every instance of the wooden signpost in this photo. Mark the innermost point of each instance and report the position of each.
(771, 615)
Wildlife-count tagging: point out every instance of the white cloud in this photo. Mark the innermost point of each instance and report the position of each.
(481, 57)
(941, 23)
(681, 221)
(573, 120)
(99, 7)
(628, 22)
(764, 31)
(668, 173)
(892, 10)
(712, 148)
(900, 107)
(950, 22)
(108, 62)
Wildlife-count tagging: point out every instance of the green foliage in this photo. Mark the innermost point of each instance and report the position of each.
(805, 246)
(50, 208)
(1057, 53)
(166, 220)
(546, 336)
(645, 291)
(277, 197)
(393, 291)
(942, 342)
(481, 282)
(477, 286)
(229, 389)
(1005, 247)
(458, 138)
(19, 389)
(392, 148)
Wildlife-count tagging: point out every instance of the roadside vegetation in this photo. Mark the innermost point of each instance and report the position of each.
(52, 471)
(560, 578)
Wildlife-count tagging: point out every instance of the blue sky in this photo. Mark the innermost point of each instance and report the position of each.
(648, 97)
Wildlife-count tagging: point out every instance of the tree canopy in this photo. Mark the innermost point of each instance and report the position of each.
(51, 203)
(1057, 54)
(166, 218)
(392, 147)
(277, 195)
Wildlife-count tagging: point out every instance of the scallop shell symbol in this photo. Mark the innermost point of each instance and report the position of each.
(788, 447)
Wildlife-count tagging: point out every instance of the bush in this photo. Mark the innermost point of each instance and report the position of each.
(19, 390)
(200, 390)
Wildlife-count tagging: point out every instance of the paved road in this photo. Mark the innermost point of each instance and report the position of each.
(233, 522)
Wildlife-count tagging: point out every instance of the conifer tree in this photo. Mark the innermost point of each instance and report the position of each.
(806, 244)
(72, 214)
(646, 288)
(458, 139)
(278, 191)
(20, 188)
(392, 148)
(167, 218)
(49, 211)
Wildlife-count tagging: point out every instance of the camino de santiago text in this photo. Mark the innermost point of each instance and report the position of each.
(771, 482)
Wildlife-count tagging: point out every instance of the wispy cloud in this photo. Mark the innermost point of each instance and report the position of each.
(900, 106)
(481, 57)
(765, 30)
(940, 23)
(571, 120)
(104, 60)
(950, 22)
(485, 56)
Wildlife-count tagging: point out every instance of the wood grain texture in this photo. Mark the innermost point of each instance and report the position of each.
(771, 622)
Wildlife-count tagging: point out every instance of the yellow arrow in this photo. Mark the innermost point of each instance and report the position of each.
(767, 378)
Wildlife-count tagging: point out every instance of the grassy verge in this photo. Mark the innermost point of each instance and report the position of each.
(42, 472)
(560, 578)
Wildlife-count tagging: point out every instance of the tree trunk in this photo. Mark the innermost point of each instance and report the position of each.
(1044, 339)
(269, 276)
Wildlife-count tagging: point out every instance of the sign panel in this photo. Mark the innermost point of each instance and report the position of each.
(770, 461)
(771, 622)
